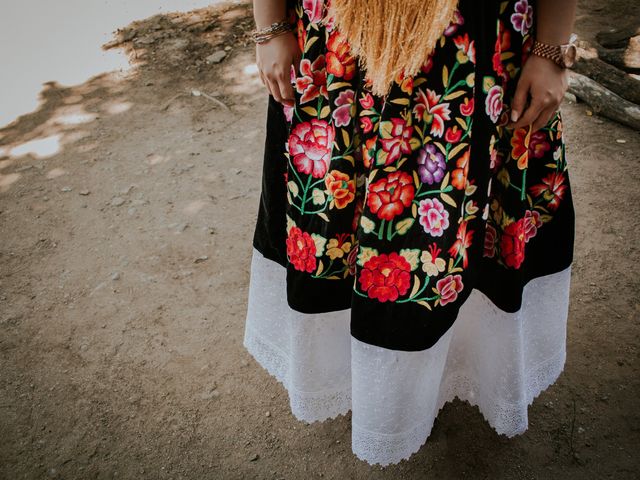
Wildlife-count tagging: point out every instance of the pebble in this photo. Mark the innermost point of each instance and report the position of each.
(620, 140)
(216, 57)
(84, 192)
(115, 276)
(210, 394)
(201, 259)
(66, 189)
(254, 457)
(117, 201)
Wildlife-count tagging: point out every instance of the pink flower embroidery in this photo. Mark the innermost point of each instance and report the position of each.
(531, 223)
(312, 81)
(494, 105)
(448, 288)
(434, 218)
(396, 140)
(313, 9)
(346, 107)
(490, 237)
(310, 145)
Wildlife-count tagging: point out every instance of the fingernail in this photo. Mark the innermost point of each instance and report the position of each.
(514, 115)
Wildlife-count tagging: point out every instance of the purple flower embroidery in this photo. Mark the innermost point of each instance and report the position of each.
(522, 19)
(431, 164)
(345, 103)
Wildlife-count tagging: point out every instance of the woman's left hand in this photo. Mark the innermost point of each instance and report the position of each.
(544, 84)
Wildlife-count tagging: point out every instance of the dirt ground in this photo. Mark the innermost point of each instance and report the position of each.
(124, 267)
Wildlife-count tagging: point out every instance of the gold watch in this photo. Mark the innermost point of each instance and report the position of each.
(563, 55)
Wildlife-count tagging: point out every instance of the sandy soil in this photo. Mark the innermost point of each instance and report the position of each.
(124, 271)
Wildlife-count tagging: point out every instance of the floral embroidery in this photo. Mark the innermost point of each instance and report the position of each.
(384, 191)
(386, 277)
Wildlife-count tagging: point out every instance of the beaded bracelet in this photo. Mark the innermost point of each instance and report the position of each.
(276, 28)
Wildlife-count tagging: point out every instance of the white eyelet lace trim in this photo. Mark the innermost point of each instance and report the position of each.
(495, 360)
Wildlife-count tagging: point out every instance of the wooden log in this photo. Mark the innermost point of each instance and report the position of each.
(610, 77)
(627, 59)
(604, 102)
(617, 37)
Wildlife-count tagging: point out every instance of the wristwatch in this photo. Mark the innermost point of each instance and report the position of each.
(563, 55)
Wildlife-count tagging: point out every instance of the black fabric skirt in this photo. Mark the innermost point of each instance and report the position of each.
(397, 207)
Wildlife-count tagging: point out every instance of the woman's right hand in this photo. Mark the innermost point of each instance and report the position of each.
(274, 59)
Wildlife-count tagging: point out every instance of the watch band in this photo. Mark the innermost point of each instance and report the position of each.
(552, 52)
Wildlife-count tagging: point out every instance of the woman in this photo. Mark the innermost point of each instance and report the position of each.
(415, 231)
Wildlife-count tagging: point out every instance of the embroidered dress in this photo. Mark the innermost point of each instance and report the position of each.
(410, 248)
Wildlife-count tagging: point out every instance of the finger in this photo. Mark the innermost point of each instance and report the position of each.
(274, 89)
(519, 99)
(286, 89)
(543, 119)
(530, 114)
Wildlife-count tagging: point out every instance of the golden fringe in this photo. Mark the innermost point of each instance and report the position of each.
(391, 37)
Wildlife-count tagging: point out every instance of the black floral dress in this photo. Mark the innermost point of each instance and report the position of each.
(398, 206)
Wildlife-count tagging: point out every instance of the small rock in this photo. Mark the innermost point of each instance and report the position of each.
(210, 394)
(201, 259)
(66, 189)
(117, 201)
(84, 192)
(620, 140)
(254, 457)
(216, 57)
(227, 48)
(580, 430)
(115, 276)
(267, 414)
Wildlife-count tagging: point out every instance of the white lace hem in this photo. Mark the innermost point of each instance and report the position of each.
(496, 360)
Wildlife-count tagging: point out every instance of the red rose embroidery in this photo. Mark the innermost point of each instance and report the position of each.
(512, 244)
(301, 250)
(389, 196)
(385, 277)
(310, 145)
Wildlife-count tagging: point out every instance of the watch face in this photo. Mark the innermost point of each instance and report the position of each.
(569, 53)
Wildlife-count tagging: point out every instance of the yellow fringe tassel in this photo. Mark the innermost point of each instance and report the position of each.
(391, 37)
